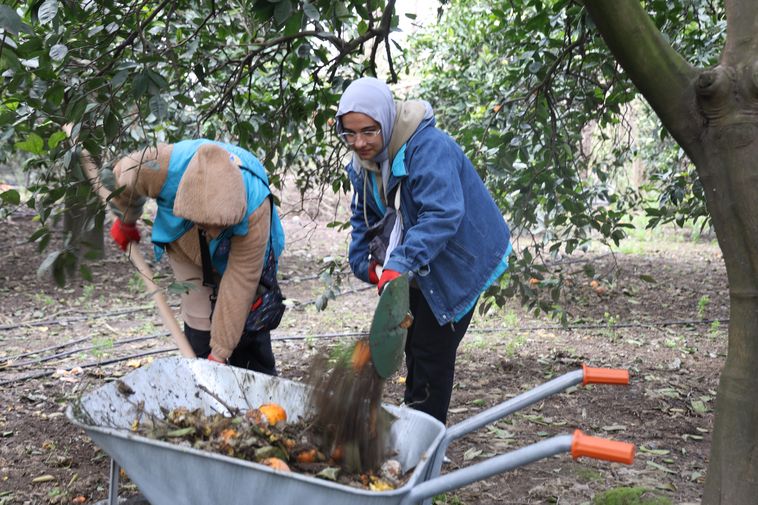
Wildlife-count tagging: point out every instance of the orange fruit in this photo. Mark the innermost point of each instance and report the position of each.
(276, 464)
(307, 456)
(273, 412)
(361, 354)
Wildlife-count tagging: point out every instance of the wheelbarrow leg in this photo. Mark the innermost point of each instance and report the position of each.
(113, 484)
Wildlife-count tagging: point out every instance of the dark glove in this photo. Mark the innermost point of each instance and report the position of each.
(211, 357)
(387, 275)
(123, 233)
(372, 277)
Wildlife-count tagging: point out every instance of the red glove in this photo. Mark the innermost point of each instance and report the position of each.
(387, 275)
(124, 233)
(372, 277)
(211, 357)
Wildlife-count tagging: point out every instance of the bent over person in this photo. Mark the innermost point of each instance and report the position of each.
(420, 209)
(218, 226)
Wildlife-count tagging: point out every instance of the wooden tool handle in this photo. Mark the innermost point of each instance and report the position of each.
(138, 260)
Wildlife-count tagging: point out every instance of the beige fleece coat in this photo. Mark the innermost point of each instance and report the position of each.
(143, 173)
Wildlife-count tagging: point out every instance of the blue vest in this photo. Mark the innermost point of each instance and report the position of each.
(168, 228)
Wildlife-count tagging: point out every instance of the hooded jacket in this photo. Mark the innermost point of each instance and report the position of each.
(182, 187)
(455, 242)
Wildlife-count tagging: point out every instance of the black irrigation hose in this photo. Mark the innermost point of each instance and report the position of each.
(362, 334)
(587, 326)
(73, 319)
(47, 373)
(63, 354)
(120, 312)
(44, 349)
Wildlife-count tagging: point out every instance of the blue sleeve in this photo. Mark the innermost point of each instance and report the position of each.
(358, 251)
(435, 189)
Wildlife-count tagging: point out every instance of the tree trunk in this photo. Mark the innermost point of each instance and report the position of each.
(729, 172)
(79, 227)
(713, 114)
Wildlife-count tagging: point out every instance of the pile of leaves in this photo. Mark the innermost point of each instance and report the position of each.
(264, 436)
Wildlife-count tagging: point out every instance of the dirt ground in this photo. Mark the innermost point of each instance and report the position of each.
(58, 343)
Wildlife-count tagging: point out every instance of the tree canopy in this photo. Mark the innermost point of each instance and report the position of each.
(264, 74)
(554, 123)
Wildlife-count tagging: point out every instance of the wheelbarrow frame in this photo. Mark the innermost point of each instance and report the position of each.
(247, 482)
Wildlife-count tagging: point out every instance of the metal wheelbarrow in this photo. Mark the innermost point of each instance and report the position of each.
(168, 473)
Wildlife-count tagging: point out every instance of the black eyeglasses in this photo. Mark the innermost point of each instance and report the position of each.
(350, 138)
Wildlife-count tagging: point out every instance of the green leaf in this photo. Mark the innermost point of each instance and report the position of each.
(56, 138)
(329, 473)
(10, 197)
(158, 107)
(119, 78)
(55, 93)
(140, 85)
(181, 432)
(158, 79)
(111, 126)
(282, 11)
(58, 52)
(11, 22)
(294, 23)
(311, 11)
(33, 144)
(47, 11)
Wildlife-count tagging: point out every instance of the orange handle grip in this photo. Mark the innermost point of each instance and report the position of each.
(601, 448)
(604, 376)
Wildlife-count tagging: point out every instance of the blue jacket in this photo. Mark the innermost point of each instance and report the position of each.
(167, 227)
(455, 240)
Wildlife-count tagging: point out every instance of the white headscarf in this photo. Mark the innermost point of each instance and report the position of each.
(372, 97)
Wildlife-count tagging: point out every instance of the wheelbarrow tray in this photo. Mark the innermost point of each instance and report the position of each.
(168, 473)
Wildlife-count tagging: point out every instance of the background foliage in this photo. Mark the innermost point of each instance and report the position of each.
(549, 118)
(527, 87)
(263, 74)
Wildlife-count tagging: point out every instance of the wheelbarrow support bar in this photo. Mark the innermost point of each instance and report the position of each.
(586, 375)
(579, 445)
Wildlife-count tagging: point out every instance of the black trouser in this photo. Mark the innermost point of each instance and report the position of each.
(430, 351)
(253, 352)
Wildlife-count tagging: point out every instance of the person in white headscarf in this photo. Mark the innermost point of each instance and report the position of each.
(421, 210)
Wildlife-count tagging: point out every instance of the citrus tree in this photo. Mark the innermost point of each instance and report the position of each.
(265, 74)
(533, 87)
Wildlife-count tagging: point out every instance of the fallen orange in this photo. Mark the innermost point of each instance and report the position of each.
(276, 464)
(274, 413)
(307, 456)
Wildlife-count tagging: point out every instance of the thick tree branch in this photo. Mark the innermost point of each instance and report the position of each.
(741, 31)
(662, 76)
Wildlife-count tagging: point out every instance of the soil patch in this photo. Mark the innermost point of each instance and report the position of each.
(670, 334)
